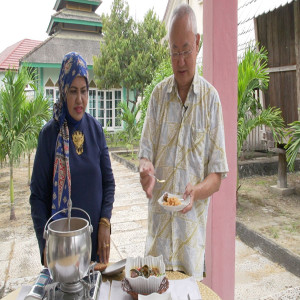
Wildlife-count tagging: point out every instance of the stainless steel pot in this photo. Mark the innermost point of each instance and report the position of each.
(68, 252)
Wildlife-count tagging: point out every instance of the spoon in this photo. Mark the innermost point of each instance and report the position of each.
(158, 180)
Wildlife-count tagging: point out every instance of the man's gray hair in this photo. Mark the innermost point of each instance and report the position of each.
(180, 11)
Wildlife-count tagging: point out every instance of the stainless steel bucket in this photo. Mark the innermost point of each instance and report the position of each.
(68, 252)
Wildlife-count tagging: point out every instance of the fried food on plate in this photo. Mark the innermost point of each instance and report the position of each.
(170, 201)
(100, 267)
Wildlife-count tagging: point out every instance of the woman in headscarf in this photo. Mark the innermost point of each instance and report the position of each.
(72, 162)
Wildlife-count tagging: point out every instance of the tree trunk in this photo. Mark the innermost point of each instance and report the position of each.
(132, 150)
(282, 170)
(11, 190)
(12, 212)
(29, 173)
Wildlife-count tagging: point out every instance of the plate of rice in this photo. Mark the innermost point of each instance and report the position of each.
(171, 202)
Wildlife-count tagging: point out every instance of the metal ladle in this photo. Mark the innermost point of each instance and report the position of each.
(69, 214)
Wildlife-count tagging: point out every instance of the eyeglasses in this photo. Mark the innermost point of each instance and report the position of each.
(185, 54)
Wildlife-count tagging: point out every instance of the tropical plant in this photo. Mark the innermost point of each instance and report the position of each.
(130, 51)
(164, 70)
(113, 138)
(2, 150)
(293, 145)
(31, 137)
(18, 117)
(30, 145)
(253, 75)
(130, 127)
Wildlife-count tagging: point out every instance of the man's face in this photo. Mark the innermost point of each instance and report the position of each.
(186, 43)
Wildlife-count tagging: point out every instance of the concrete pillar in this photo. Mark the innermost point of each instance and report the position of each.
(220, 69)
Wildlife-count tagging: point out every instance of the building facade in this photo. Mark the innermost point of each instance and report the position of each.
(75, 27)
(261, 21)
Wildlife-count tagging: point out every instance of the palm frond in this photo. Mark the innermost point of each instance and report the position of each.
(270, 117)
(129, 118)
(253, 76)
(13, 95)
(293, 145)
(20, 116)
(252, 73)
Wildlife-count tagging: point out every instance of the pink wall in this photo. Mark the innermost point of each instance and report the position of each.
(220, 69)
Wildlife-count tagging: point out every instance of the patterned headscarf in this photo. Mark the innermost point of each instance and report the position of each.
(73, 65)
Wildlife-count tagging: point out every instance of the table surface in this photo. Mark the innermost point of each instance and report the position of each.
(206, 292)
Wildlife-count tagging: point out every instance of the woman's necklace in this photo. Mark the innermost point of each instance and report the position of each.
(78, 140)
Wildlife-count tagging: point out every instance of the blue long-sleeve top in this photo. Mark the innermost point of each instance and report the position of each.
(92, 180)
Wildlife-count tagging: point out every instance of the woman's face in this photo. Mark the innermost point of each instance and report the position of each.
(77, 98)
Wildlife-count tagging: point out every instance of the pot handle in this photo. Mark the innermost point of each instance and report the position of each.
(45, 235)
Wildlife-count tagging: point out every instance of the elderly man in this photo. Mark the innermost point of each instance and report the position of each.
(183, 143)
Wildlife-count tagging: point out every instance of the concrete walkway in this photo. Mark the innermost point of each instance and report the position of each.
(256, 276)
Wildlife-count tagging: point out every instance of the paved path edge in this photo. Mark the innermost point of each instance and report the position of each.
(268, 248)
(125, 162)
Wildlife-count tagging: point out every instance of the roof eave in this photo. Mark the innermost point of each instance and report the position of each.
(45, 65)
(95, 4)
(70, 21)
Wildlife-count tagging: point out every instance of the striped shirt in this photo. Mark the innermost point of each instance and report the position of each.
(185, 144)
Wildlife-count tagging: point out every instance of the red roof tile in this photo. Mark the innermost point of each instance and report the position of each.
(10, 57)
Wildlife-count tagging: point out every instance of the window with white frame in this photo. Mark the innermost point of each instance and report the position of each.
(109, 109)
(100, 99)
(118, 111)
(51, 93)
(103, 105)
(92, 102)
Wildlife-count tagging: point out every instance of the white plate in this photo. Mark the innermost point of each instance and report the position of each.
(155, 296)
(115, 268)
(180, 207)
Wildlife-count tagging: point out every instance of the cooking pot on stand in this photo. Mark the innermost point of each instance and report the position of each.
(68, 247)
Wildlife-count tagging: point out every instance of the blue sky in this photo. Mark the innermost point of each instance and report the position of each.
(29, 19)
